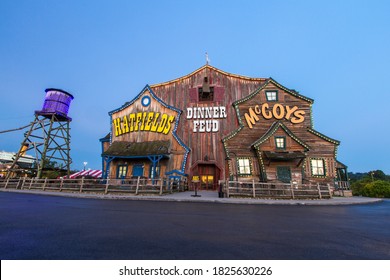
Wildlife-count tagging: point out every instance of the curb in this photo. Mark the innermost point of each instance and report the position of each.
(170, 198)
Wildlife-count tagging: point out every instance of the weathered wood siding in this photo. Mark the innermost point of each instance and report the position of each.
(176, 150)
(206, 146)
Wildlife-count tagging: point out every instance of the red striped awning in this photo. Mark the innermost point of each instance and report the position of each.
(90, 172)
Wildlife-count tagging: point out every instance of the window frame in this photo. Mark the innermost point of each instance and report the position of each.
(314, 168)
(244, 169)
(284, 142)
(158, 170)
(211, 95)
(122, 169)
(276, 95)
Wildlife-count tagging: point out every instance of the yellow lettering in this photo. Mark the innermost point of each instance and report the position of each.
(278, 111)
(266, 115)
(117, 126)
(132, 121)
(298, 116)
(125, 124)
(257, 109)
(163, 122)
(149, 120)
(138, 121)
(155, 123)
(251, 118)
(143, 121)
(289, 111)
(168, 126)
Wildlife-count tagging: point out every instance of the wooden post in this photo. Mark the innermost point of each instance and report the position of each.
(107, 184)
(330, 192)
(227, 189)
(31, 182)
(253, 188)
(44, 184)
(61, 184)
(319, 190)
(24, 181)
(161, 185)
(6, 183)
(292, 190)
(137, 188)
(17, 185)
(82, 184)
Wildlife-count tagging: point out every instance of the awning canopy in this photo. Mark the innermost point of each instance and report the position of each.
(137, 149)
(90, 173)
(284, 155)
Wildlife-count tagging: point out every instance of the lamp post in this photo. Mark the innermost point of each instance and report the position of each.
(85, 164)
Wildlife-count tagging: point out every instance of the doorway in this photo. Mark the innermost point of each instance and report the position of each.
(283, 174)
(208, 175)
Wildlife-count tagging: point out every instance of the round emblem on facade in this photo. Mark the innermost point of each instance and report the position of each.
(145, 101)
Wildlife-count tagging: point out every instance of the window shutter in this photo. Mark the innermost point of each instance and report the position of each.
(193, 93)
(219, 94)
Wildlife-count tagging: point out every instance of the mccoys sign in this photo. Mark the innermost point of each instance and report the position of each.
(278, 111)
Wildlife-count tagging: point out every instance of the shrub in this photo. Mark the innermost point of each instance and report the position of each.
(377, 188)
(357, 186)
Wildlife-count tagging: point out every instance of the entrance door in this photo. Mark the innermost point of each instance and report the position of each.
(207, 182)
(121, 171)
(207, 176)
(284, 174)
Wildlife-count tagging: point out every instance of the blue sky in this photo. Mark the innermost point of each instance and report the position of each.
(105, 52)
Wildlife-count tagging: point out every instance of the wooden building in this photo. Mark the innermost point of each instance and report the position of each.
(214, 125)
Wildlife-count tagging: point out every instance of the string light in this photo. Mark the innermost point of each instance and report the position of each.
(147, 88)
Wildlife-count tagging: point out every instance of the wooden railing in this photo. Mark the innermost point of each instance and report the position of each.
(136, 186)
(276, 190)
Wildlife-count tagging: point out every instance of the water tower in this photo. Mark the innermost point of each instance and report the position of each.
(49, 135)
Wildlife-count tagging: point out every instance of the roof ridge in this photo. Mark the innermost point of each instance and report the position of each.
(208, 66)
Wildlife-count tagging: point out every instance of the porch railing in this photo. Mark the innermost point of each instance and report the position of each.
(276, 190)
(136, 186)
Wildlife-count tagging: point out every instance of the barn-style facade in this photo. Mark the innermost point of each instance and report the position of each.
(213, 126)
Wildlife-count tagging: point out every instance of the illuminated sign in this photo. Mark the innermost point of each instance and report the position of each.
(278, 111)
(206, 118)
(143, 121)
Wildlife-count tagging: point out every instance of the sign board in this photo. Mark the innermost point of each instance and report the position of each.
(195, 179)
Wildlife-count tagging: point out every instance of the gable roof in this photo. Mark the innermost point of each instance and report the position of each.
(272, 130)
(146, 88)
(207, 66)
(272, 81)
(326, 138)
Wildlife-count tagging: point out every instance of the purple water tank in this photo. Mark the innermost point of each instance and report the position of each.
(57, 102)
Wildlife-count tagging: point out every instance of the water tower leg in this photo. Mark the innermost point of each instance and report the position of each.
(47, 140)
(17, 156)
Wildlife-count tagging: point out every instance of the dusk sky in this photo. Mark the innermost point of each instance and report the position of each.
(105, 52)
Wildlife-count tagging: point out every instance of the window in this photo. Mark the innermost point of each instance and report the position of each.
(271, 95)
(121, 171)
(317, 167)
(280, 142)
(244, 166)
(152, 174)
(206, 95)
(138, 170)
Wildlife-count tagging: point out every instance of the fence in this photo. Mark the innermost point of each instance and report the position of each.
(272, 190)
(136, 186)
(161, 186)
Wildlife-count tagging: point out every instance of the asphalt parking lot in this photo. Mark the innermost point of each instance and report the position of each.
(55, 227)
